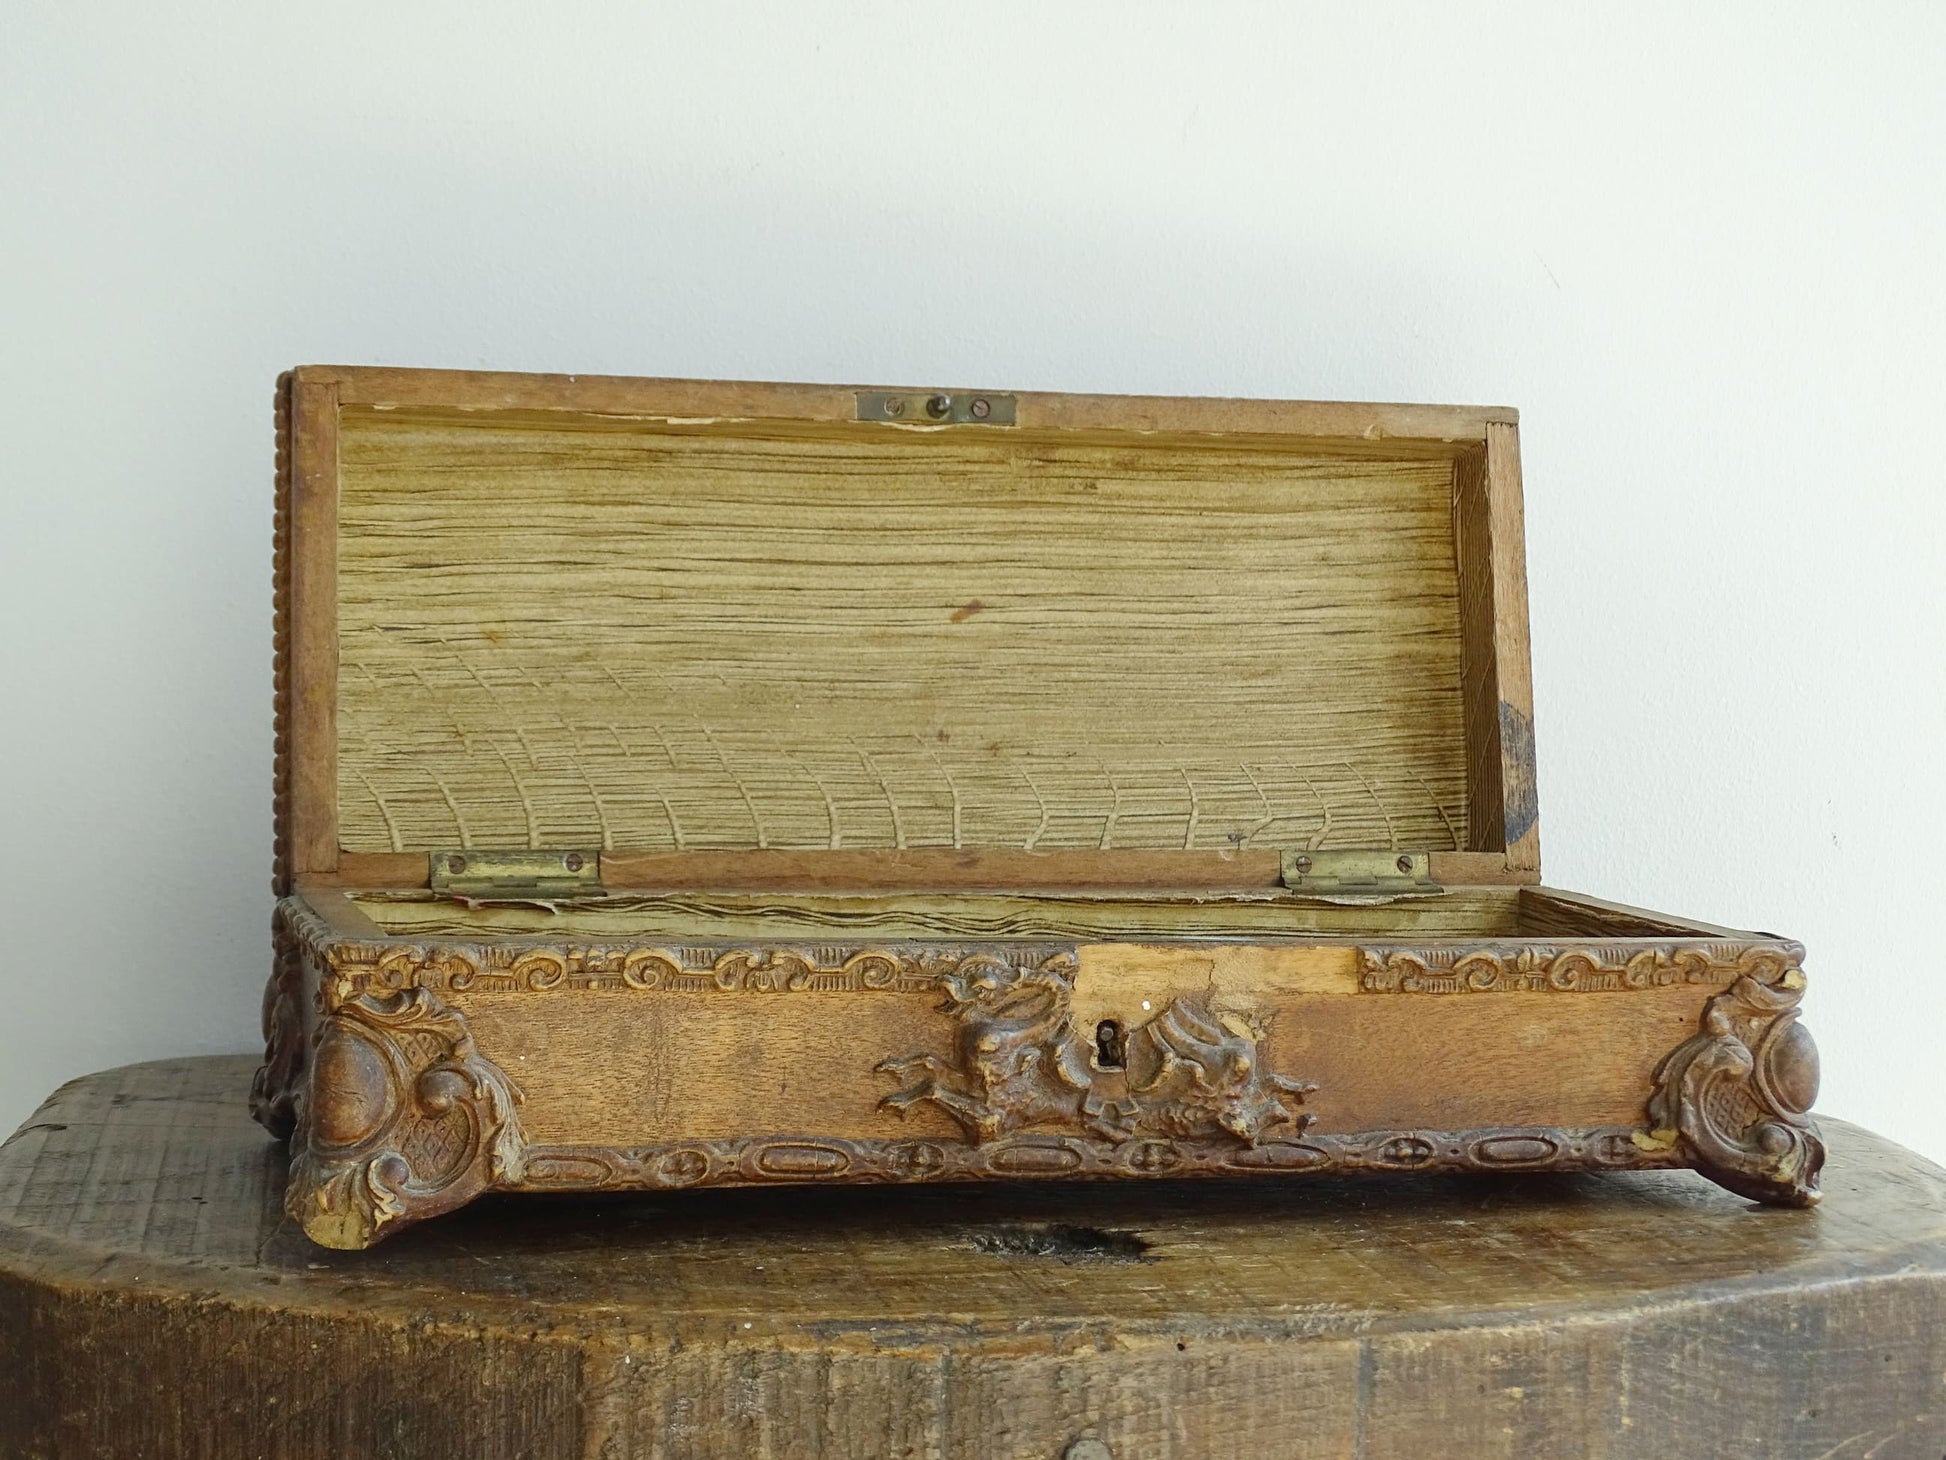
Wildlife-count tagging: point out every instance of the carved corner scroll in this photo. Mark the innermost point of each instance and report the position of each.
(1018, 1063)
(404, 1120)
(1736, 1097)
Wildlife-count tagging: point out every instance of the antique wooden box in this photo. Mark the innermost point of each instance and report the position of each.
(686, 783)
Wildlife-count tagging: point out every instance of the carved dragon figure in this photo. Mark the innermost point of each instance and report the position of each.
(1018, 1062)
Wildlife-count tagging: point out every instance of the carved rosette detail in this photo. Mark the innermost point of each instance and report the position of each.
(1019, 1064)
(1736, 1096)
(403, 1120)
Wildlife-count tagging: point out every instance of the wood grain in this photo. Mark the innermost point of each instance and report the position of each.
(1065, 798)
(310, 704)
(924, 869)
(1354, 423)
(282, 879)
(921, 869)
(1512, 660)
(154, 1301)
(1465, 913)
(1552, 912)
(1479, 680)
(692, 918)
(676, 1069)
(693, 638)
(1497, 679)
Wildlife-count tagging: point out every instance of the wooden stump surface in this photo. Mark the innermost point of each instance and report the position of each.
(155, 1302)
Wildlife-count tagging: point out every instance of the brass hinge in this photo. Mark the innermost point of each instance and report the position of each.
(936, 407)
(518, 876)
(1360, 876)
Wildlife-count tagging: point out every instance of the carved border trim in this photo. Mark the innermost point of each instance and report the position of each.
(768, 1160)
(357, 967)
(491, 968)
(1569, 968)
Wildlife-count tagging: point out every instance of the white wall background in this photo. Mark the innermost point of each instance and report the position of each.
(1702, 249)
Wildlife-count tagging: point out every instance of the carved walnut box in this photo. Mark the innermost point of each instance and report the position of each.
(686, 784)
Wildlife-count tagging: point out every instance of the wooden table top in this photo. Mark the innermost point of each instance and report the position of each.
(152, 1293)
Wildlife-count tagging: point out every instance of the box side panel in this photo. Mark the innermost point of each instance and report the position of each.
(280, 872)
(1497, 678)
(308, 812)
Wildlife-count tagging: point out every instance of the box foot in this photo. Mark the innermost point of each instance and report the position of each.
(402, 1120)
(1736, 1096)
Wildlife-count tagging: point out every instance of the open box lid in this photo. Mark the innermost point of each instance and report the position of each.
(746, 635)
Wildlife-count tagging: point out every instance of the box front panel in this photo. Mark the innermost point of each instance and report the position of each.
(436, 1070)
(633, 1069)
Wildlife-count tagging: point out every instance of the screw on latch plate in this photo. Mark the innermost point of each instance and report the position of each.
(937, 407)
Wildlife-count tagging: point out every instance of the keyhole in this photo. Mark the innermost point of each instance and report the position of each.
(1108, 1044)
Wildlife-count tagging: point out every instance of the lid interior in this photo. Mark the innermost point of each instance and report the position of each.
(647, 634)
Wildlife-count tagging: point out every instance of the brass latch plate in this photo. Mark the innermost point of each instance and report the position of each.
(1360, 876)
(936, 407)
(516, 876)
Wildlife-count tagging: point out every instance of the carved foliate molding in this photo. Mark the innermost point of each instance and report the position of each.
(1569, 968)
(1736, 1097)
(356, 967)
(1019, 1063)
(404, 1119)
(353, 968)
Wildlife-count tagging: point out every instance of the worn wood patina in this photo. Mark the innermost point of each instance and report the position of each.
(155, 1300)
(691, 784)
